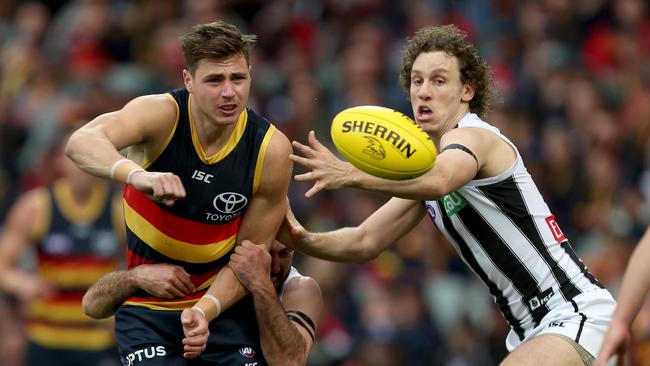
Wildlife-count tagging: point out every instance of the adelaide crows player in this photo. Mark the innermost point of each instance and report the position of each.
(203, 173)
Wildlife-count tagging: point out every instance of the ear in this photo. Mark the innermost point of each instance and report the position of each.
(187, 80)
(467, 93)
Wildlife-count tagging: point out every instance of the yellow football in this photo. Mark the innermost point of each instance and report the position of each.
(383, 142)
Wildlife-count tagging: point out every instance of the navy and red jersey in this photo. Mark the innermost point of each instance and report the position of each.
(199, 231)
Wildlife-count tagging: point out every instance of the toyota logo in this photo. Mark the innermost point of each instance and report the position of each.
(229, 202)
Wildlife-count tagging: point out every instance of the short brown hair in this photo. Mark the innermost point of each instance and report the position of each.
(473, 69)
(215, 41)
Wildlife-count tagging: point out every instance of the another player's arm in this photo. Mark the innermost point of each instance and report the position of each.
(21, 230)
(288, 329)
(634, 289)
(453, 169)
(357, 244)
(260, 222)
(161, 280)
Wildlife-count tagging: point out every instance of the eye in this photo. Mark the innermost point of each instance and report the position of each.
(416, 82)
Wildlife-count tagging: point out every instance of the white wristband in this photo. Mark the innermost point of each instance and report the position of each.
(131, 172)
(216, 302)
(198, 309)
(115, 165)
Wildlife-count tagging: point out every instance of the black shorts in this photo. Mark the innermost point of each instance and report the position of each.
(37, 355)
(154, 337)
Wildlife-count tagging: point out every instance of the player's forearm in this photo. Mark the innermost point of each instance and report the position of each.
(342, 245)
(636, 282)
(94, 153)
(104, 297)
(423, 188)
(11, 279)
(226, 290)
(282, 343)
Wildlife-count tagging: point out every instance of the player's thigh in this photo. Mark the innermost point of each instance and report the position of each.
(545, 349)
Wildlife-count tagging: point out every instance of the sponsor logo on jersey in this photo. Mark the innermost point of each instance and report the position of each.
(57, 243)
(555, 229)
(453, 202)
(247, 352)
(431, 211)
(540, 299)
(202, 176)
(229, 202)
(138, 356)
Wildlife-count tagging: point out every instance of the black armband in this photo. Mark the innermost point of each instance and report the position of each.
(462, 148)
(303, 320)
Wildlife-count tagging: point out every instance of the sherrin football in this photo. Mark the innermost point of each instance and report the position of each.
(383, 142)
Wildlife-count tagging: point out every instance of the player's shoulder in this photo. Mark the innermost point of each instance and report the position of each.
(303, 286)
(154, 103)
(279, 145)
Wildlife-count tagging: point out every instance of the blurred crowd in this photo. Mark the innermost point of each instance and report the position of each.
(574, 81)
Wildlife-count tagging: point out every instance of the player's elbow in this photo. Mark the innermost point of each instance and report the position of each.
(73, 145)
(368, 250)
(92, 309)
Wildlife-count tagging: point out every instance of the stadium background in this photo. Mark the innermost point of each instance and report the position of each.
(574, 76)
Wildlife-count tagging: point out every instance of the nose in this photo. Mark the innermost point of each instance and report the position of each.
(423, 92)
(228, 90)
(275, 266)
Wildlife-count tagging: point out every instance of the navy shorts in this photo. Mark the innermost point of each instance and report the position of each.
(37, 355)
(154, 337)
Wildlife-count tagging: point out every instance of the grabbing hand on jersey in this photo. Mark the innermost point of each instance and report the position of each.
(160, 187)
(328, 171)
(163, 280)
(252, 265)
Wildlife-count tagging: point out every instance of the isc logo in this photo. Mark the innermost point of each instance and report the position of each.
(202, 176)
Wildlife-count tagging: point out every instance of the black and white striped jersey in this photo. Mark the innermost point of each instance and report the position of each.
(505, 232)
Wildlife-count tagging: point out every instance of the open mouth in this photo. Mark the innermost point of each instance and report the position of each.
(228, 108)
(424, 113)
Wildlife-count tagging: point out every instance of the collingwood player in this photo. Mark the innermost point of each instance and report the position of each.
(481, 197)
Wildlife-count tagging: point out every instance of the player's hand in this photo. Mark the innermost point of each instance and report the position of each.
(615, 343)
(251, 263)
(163, 280)
(195, 329)
(291, 233)
(160, 187)
(328, 171)
(31, 287)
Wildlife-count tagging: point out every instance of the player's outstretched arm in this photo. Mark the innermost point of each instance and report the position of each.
(634, 289)
(287, 329)
(161, 280)
(357, 244)
(453, 168)
(259, 225)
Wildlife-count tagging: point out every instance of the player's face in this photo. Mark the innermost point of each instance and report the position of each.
(281, 258)
(220, 89)
(438, 97)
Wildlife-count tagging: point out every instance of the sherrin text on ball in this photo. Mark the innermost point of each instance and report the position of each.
(383, 142)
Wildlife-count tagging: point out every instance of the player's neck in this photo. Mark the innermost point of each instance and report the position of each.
(212, 136)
